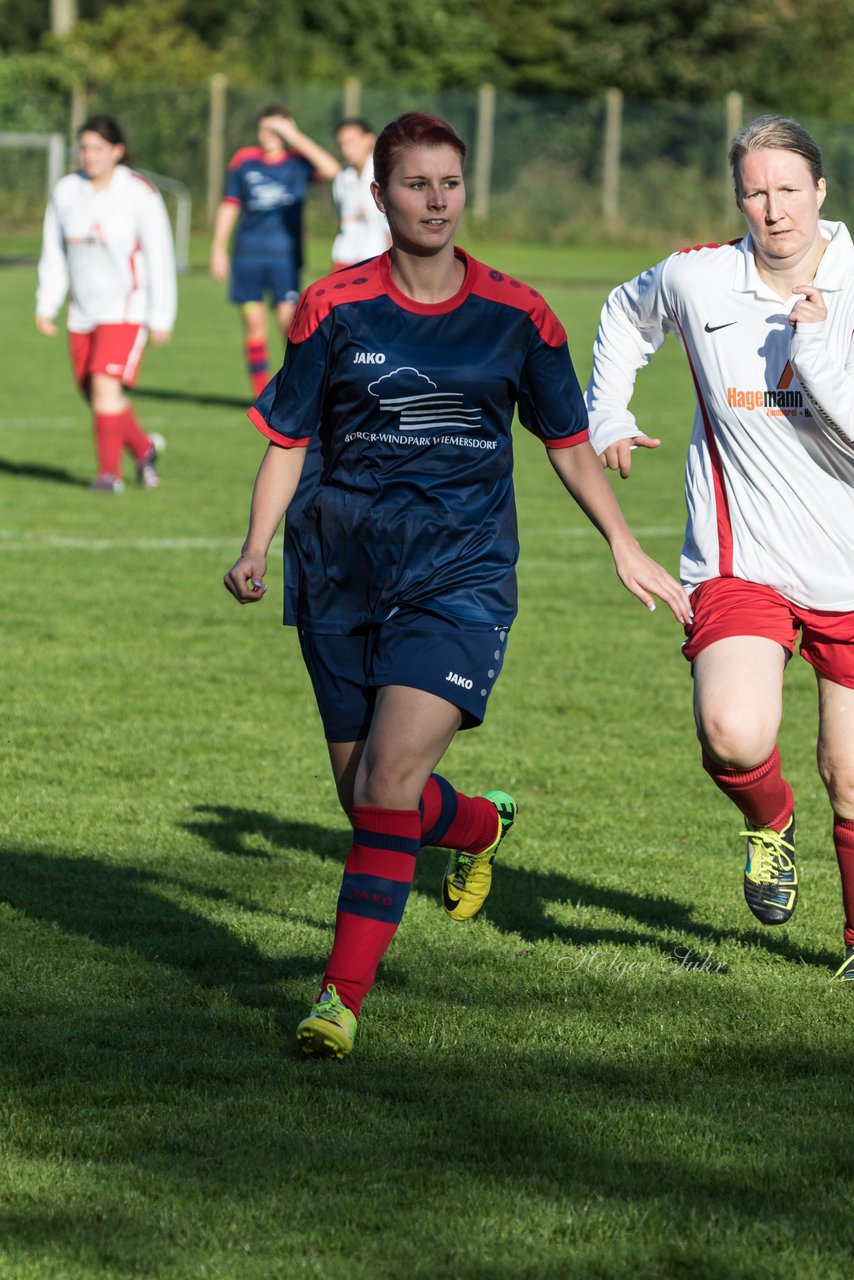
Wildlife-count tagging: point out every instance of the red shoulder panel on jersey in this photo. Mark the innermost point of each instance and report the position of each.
(245, 153)
(695, 248)
(350, 284)
(499, 287)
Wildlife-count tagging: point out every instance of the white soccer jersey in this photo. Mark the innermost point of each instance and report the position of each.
(112, 249)
(364, 230)
(769, 490)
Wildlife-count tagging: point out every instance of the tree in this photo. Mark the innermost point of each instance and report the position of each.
(142, 44)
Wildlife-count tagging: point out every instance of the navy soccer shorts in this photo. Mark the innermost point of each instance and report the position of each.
(452, 660)
(254, 279)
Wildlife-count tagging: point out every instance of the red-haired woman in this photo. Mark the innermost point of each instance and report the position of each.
(107, 239)
(399, 387)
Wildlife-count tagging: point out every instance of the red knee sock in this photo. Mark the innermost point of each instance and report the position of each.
(762, 794)
(450, 820)
(133, 436)
(257, 362)
(377, 879)
(109, 434)
(843, 839)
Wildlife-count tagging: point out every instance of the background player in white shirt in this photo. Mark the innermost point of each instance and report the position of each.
(364, 228)
(107, 239)
(766, 323)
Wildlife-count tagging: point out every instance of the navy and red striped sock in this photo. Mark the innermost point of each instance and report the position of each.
(762, 794)
(843, 839)
(377, 879)
(450, 820)
(257, 363)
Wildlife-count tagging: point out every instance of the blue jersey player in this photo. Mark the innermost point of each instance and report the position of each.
(389, 446)
(264, 195)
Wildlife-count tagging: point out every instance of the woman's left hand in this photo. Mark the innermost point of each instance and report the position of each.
(809, 309)
(645, 578)
(160, 337)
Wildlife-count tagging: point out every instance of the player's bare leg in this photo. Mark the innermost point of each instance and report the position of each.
(738, 705)
(836, 765)
(284, 317)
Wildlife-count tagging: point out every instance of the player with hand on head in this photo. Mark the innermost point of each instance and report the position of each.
(264, 196)
(766, 323)
(397, 393)
(364, 230)
(108, 241)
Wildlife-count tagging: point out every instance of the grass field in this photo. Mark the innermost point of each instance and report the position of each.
(610, 1073)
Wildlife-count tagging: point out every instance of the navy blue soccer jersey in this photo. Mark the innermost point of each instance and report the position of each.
(407, 494)
(271, 193)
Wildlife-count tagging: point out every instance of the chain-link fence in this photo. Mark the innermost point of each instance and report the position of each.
(558, 169)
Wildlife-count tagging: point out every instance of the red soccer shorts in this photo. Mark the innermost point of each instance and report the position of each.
(725, 607)
(114, 349)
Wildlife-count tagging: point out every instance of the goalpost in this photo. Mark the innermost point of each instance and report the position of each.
(53, 144)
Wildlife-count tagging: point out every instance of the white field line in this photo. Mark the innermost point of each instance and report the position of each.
(64, 424)
(70, 542)
(63, 542)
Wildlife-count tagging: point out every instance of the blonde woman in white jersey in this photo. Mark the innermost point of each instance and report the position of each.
(766, 323)
(107, 241)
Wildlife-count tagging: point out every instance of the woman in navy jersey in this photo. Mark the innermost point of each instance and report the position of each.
(263, 198)
(392, 413)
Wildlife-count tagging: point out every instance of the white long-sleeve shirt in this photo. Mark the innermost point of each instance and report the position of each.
(112, 249)
(364, 230)
(769, 483)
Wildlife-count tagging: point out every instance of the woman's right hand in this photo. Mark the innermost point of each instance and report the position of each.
(45, 325)
(220, 264)
(245, 578)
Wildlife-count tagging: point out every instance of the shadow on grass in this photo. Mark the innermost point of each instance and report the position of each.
(193, 397)
(669, 1148)
(231, 832)
(520, 898)
(128, 909)
(40, 471)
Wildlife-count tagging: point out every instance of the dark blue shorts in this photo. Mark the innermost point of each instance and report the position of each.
(254, 279)
(415, 649)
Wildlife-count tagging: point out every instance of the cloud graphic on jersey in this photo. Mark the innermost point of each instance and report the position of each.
(422, 410)
(400, 374)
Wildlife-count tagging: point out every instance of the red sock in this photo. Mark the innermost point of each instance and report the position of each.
(762, 794)
(109, 433)
(377, 879)
(450, 820)
(843, 839)
(257, 361)
(133, 436)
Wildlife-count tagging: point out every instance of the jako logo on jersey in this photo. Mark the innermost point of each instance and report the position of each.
(369, 357)
(453, 678)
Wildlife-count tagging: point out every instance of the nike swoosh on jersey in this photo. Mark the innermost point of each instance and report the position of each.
(713, 328)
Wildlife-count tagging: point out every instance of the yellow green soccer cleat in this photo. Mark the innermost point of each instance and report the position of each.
(329, 1031)
(468, 876)
(845, 972)
(770, 876)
